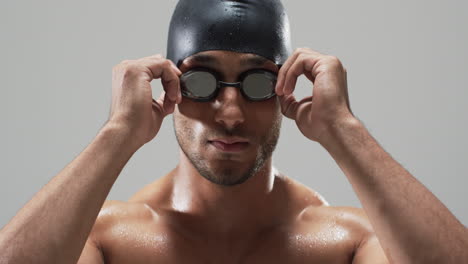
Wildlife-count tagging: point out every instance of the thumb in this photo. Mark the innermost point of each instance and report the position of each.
(163, 104)
(290, 106)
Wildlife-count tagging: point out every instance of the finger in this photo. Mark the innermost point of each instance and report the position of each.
(170, 81)
(160, 99)
(175, 68)
(158, 104)
(171, 87)
(279, 89)
(179, 73)
(289, 106)
(283, 71)
(166, 70)
(295, 70)
(168, 105)
(161, 57)
(163, 105)
(303, 65)
(309, 76)
(157, 107)
(306, 99)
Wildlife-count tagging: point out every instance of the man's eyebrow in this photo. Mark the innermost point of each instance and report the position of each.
(204, 59)
(256, 61)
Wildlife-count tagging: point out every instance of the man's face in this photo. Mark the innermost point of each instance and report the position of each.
(228, 115)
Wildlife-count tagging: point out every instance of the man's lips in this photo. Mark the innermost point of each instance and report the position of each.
(230, 140)
(230, 144)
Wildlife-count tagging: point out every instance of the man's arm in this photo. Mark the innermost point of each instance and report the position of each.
(54, 225)
(412, 225)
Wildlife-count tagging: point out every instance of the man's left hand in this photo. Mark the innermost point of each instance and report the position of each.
(329, 105)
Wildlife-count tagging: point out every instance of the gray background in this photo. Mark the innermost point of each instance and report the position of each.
(406, 64)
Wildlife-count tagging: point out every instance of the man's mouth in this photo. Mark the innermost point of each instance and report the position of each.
(230, 144)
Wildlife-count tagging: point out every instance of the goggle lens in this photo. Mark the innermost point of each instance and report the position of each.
(258, 86)
(198, 84)
(203, 85)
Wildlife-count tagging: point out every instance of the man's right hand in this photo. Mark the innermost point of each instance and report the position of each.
(133, 106)
(47, 230)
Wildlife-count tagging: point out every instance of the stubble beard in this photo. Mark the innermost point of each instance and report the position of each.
(228, 175)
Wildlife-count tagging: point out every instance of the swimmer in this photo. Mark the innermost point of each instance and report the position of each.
(229, 78)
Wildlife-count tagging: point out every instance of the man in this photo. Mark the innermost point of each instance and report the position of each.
(225, 202)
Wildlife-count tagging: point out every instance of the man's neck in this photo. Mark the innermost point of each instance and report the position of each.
(227, 210)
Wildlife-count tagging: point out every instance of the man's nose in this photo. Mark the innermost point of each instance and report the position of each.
(230, 107)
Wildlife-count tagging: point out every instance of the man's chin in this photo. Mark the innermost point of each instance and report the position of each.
(226, 175)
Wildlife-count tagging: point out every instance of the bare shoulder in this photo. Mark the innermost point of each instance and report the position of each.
(352, 217)
(349, 223)
(122, 210)
(300, 193)
(330, 234)
(317, 208)
(114, 213)
(131, 232)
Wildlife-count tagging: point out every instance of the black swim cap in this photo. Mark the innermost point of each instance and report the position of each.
(248, 26)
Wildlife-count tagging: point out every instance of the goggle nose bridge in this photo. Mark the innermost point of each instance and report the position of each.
(222, 84)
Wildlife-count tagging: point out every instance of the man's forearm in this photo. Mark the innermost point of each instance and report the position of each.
(54, 225)
(412, 225)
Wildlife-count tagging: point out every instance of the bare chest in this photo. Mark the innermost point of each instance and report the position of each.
(142, 244)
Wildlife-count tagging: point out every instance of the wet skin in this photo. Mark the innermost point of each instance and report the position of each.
(186, 217)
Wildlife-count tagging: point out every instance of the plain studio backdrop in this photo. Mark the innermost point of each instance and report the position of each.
(407, 81)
